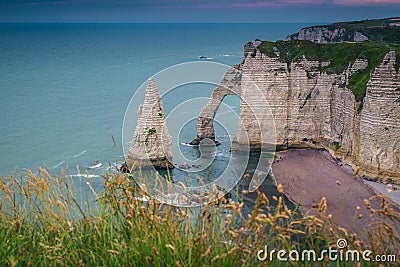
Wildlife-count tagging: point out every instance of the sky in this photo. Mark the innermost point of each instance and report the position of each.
(297, 11)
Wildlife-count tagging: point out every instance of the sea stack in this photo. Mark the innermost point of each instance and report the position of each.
(151, 145)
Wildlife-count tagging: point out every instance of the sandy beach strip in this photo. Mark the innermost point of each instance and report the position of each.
(310, 174)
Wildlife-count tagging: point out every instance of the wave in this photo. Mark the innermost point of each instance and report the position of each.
(233, 107)
(221, 155)
(187, 144)
(79, 154)
(218, 154)
(57, 165)
(114, 166)
(225, 112)
(85, 175)
(156, 59)
(229, 55)
(98, 165)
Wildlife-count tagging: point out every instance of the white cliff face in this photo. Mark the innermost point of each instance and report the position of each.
(268, 74)
(380, 122)
(359, 37)
(359, 64)
(299, 99)
(151, 143)
(314, 109)
(322, 35)
(325, 35)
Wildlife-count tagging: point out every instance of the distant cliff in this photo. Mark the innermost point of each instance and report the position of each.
(344, 97)
(380, 30)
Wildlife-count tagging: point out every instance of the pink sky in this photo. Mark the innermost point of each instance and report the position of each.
(283, 3)
(364, 2)
(195, 10)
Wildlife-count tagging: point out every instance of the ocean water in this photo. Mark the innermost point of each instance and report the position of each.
(64, 88)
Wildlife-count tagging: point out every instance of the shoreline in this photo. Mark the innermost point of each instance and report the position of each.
(310, 174)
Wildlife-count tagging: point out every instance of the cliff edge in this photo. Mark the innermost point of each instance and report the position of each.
(344, 97)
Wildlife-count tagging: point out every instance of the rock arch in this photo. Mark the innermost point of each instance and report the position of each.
(230, 85)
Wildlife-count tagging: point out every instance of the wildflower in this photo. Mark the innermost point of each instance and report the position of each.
(155, 251)
(206, 253)
(115, 252)
(170, 246)
(280, 189)
(367, 204)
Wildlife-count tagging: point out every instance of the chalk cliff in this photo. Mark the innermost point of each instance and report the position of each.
(378, 30)
(379, 140)
(151, 144)
(314, 106)
(325, 35)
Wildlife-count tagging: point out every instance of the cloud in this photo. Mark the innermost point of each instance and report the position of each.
(44, 2)
(364, 2)
(281, 3)
(204, 4)
(256, 4)
(294, 3)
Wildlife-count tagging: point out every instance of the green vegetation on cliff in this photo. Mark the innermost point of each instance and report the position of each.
(340, 56)
(397, 49)
(376, 30)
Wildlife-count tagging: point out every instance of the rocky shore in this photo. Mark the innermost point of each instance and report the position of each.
(308, 175)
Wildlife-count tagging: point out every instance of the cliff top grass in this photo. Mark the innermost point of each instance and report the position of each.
(340, 56)
(378, 30)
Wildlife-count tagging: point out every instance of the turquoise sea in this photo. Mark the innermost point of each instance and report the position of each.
(64, 88)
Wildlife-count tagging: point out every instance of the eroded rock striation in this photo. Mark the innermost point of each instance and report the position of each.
(314, 106)
(379, 133)
(151, 144)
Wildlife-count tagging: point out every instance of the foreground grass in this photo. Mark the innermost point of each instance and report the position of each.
(43, 224)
